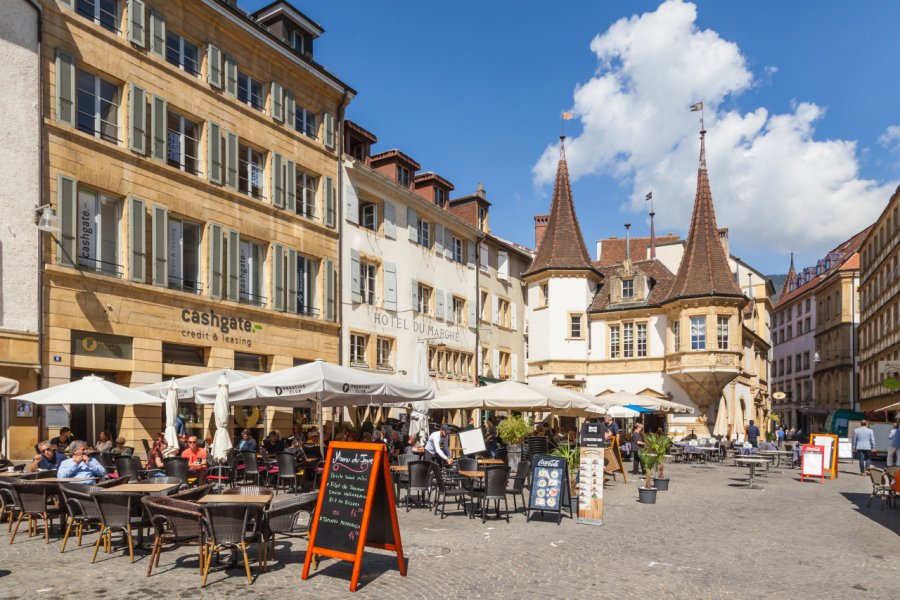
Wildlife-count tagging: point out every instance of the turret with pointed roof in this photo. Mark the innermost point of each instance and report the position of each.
(704, 269)
(791, 275)
(562, 247)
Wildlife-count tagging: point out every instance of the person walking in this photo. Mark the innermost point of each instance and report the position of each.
(753, 434)
(893, 453)
(863, 444)
(637, 443)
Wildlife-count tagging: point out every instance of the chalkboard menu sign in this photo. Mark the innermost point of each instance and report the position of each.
(549, 485)
(355, 508)
(593, 435)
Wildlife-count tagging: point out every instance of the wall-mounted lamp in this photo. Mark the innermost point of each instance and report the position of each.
(45, 218)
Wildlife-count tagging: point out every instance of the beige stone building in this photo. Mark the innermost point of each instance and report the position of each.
(192, 156)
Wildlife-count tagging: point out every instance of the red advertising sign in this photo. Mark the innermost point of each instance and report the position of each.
(812, 462)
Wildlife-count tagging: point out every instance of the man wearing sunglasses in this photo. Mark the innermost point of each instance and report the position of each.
(46, 459)
(81, 466)
(196, 457)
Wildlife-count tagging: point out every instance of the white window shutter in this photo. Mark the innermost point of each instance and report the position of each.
(214, 66)
(329, 289)
(137, 246)
(355, 293)
(484, 257)
(214, 152)
(67, 201)
(137, 22)
(230, 76)
(513, 316)
(137, 116)
(390, 286)
(160, 246)
(65, 88)
(215, 260)
(157, 34)
(449, 308)
(292, 280)
(514, 365)
(329, 202)
(473, 317)
(329, 130)
(351, 201)
(277, 180)
(390, 221)
(438, 239)
(439, 304)
(412, 224)
(414, 294)
(158, 128)
(277, 100)
(290, 184)
(495, 362)
(503, 265)
(448, 244)
(471, 257)
(232, 286)
(495, 310)
(278, 277)
(290, 109)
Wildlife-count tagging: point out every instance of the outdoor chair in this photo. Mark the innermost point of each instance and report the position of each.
(192, 494)
(286, 471)
(33, 499)
(9, 503)
(174, 522)
(320, 471)
(880, 486)
(418, 480)
(128, 466)
(223, 475)
(891, 473)
(495, 478)
(108, 460)
(467, 464)
(166, 479)
(233, 526)
(177, 466)
(290, 519)
(445, 489)
(518, 484)
(146, 445)
(119, 511)
(252, 470)
(536, 445)
(81, 508)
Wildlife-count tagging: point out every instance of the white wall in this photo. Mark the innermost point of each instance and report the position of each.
(19, 166)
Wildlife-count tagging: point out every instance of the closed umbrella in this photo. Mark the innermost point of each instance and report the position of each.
(737, 424)
(418, 418)
(189, 385)
(171, 414)
(721, 426)
(221, 439)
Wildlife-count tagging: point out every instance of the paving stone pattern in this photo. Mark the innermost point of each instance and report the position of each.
(709, 537)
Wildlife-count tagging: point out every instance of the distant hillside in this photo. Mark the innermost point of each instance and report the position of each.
(778, 283)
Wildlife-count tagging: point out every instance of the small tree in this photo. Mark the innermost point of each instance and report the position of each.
(653, 455)
(513, 430)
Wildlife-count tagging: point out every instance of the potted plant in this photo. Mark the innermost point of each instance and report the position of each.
(571, 453)
(659, 444)
(513, 431)
(651, 459)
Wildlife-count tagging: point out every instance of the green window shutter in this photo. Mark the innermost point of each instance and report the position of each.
(136, 22)
(137, 244)
(329, 289)
(158, 123)
(137, 138)
(329, 130)
(215, 260)
(290, 109)
(277, 180)
(65, 88)
(160, 246)
(278, 276)
(291, 280)
(329, 202)
(157, 34)
(290, 184)
(231, 160)
(230, 76)
(214, 152)
(214, 66)
(232, 289)
(67, 199)
(277, 102)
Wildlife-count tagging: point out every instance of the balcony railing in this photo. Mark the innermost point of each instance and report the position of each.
(254, 299)
(185, 285)
(100, 267)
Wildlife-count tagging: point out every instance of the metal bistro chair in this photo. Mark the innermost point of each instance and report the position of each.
(176, 466)
(233, 526)
(287, 470)
(252, 470)
(77, 499)
(447, 491)
(174, 522)
(32, 498)
(290, 519)
(225, 474)
(9, 503)
(128, 466)
(518, 484)
(418, 480)
(880, 486)
(119, 511)
(495, 479)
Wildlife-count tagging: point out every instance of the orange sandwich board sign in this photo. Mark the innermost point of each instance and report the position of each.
(355, 508)
(830, 457)
(812, 462)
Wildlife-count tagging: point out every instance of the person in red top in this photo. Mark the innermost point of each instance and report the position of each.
(196, 459)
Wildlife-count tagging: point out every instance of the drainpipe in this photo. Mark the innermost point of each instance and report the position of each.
(339, 221)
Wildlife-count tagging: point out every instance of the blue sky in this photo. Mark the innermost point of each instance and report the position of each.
(800, 100)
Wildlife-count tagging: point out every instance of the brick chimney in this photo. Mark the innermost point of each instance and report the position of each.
(540, 226)
(723, 238)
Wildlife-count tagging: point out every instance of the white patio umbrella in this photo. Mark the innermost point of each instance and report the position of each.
(721, 426)
(512, 395)
(622, 412)
(188, 386)
(418, 418)
(171, 414)
(221, 439)
(737, 422)
(623, 398)
(90, 390)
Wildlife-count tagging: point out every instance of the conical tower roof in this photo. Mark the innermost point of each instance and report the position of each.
(791, 275)
(704, 269)
(562, 246)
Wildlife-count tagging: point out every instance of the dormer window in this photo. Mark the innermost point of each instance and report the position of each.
(627, 289)
(482, 217)
(440, 196)
(301, 42)
(403, 176)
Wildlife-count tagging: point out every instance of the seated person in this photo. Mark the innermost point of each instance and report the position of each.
(61, 442)
(120, 447)
(104, 442)
(196, 457)
(395, 444)
(157, 453)
(273, 444)
(81, 466)
(47, 458)
(296, 448)
(246, 442)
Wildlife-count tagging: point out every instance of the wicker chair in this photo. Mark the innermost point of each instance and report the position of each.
(879, 486)
(32, 498)
(108, 460)
(446, 489)
(176, 466)
(290, 518)
(171, 480)
(252, 470)
(495, 479)
(249, 490)
(119, 511)
(233, 526)
(9, 503)
(418, 480)
(285, 471)
(174, 522)
(128, 466)
(518, 484)
(81, 508)
(467, 464)
(193, 494)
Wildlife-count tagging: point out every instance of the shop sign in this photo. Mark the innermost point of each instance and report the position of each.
(102, 345)
(210, 326)
(429, 330)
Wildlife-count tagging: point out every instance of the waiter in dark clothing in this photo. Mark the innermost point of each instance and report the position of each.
(637, 444)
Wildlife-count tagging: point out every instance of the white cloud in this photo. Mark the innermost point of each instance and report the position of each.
(890, 139)
(773, 183)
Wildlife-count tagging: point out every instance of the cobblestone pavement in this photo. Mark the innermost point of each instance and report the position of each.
(709, 537)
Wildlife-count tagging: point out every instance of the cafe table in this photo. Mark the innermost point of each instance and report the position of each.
(753, 463)
(491, 461)
(261, 499)
(11, 473)
(152, 489)
(472, 474)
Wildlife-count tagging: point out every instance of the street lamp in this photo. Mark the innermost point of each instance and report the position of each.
(45, 218)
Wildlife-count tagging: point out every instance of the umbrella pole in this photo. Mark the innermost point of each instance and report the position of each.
(321, 440)
(93, 425)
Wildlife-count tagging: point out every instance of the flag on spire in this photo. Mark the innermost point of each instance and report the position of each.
(696, 107)
(567, 116)
(649, 196)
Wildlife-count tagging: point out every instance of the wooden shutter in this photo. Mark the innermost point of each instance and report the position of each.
(329, 202)
(157, 34)
(495, 310)
(277, 180)
(278, 277)
(513, 316)
(514, 366)
(232, 253)
(351, 201)
(495, 363)
(471, 257)
(329, 289)
(67, 199)
(230, 76)
(438, 239)
(137, 138)
(290, 109)
(390, 221)
(215, 260)
(439, 304)
(290, 185)
(355, 283)
(160, 246)
(503, 265)
(231, 160)
(214, 66)
(277, 101)
(390, 286)
(136, 240)
(448, 244)
(137, 22)
(158, 126)
(292, 280)
(329, 130)
(214, 152)
(412, 224)
(65, 88)
(449, 308)
(473, 317)
(414, 294)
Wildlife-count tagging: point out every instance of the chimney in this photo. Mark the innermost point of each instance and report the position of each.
(627, 242)
(540, 227)
(723, 238)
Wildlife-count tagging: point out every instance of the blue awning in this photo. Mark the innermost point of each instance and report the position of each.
(640, 409)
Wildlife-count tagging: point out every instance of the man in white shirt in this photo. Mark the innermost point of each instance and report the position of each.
(438, 445)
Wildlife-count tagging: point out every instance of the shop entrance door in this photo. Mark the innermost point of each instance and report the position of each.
(86, 420)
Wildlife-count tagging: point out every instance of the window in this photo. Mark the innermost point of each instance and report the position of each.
(97, 241)
(103, 12)
(698, 333)
(788, 364)
(781, 367)
(307, 186)
(184, 255)
(368, 215)
(808, 326)
(252, 257)
(614, 341)
(482, 217)
(250, 91)
(459, 311)
(358, 350)
(182, 53)
(485, 315)
(97, 106)
(245, 361)
(676, 336)
(790, 331)
(182, 143)
(575, 326)
(424, 228)
(251, 167)
(440, 196)
(722, 332)
(384, 358)
(503, 314)
(484, 257)
(423, 299)
(301, 42)
(627, 289)
(403, 176)
(367, 276)
(641, 340)
(177, 354)
(458, 255)
(627, 340)
(307, 270)
(451, 364)
(504, 370)
(306, 122)
(545, 294)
